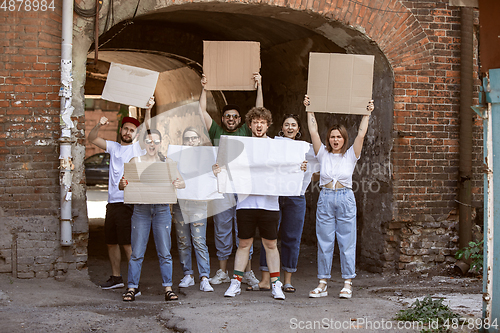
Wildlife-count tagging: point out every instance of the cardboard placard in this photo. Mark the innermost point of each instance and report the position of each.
(129, 85)
(340, 83)
(230, 65)
(150, 183)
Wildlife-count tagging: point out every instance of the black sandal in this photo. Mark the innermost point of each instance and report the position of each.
(130, 294)
(288, 288)
(171, 296)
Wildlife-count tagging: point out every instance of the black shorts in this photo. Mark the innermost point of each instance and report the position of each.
(118, 223)
(266, 220)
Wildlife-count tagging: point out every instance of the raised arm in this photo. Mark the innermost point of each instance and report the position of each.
(147, 122)
(259, 102)
(93, 138)
(207, 120)
(363, 127)
(312, 124)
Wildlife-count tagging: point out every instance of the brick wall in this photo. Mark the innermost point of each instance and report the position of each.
(426, 117)
(30, 43)
(29, 78)
(426, 150)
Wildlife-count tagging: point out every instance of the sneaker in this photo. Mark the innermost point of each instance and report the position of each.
(250, 279)
(113, 282)
(277, 290)
(205, 285)
(186, 281)
(234, 289)
(220, 277)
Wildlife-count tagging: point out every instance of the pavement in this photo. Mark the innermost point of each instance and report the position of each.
(77, 304)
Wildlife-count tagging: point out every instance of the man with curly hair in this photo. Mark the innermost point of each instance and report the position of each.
(257, 211)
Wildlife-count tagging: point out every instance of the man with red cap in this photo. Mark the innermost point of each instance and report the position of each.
(117, 224)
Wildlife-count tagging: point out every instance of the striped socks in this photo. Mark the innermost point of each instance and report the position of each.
(275, 276)
(238, 275)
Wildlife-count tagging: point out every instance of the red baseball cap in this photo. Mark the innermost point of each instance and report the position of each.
(131, 120)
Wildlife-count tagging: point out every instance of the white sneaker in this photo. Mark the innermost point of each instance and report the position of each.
(234, 289)
(205, 285)
(220, 277)
(186, 281)
(250, 279)
(277, 290)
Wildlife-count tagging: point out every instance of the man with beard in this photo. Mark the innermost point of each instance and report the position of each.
(117, 223)
(231, 117)
(225, 219)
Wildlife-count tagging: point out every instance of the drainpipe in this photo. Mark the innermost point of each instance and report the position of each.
(66, 140)
(465, 163)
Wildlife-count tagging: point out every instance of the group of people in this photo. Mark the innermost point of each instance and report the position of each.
(130, 225)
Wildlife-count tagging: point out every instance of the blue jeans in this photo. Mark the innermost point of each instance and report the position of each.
(292, 214)
(336, 217)
(196, 230)
(224, 224)
(144, 218)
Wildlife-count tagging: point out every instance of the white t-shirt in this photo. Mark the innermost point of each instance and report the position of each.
(267, 202)
(118, 156)
(336, 167)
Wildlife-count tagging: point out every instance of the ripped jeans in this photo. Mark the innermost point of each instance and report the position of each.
(145, 218)
(190, 218)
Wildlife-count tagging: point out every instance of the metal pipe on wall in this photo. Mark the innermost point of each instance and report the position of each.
(66, 140)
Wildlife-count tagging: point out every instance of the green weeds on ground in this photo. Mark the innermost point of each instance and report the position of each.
(432, 314)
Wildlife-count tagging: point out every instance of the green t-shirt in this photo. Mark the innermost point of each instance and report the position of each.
(216, 131)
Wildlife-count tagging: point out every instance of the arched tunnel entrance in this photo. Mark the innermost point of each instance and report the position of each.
(171, 39)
